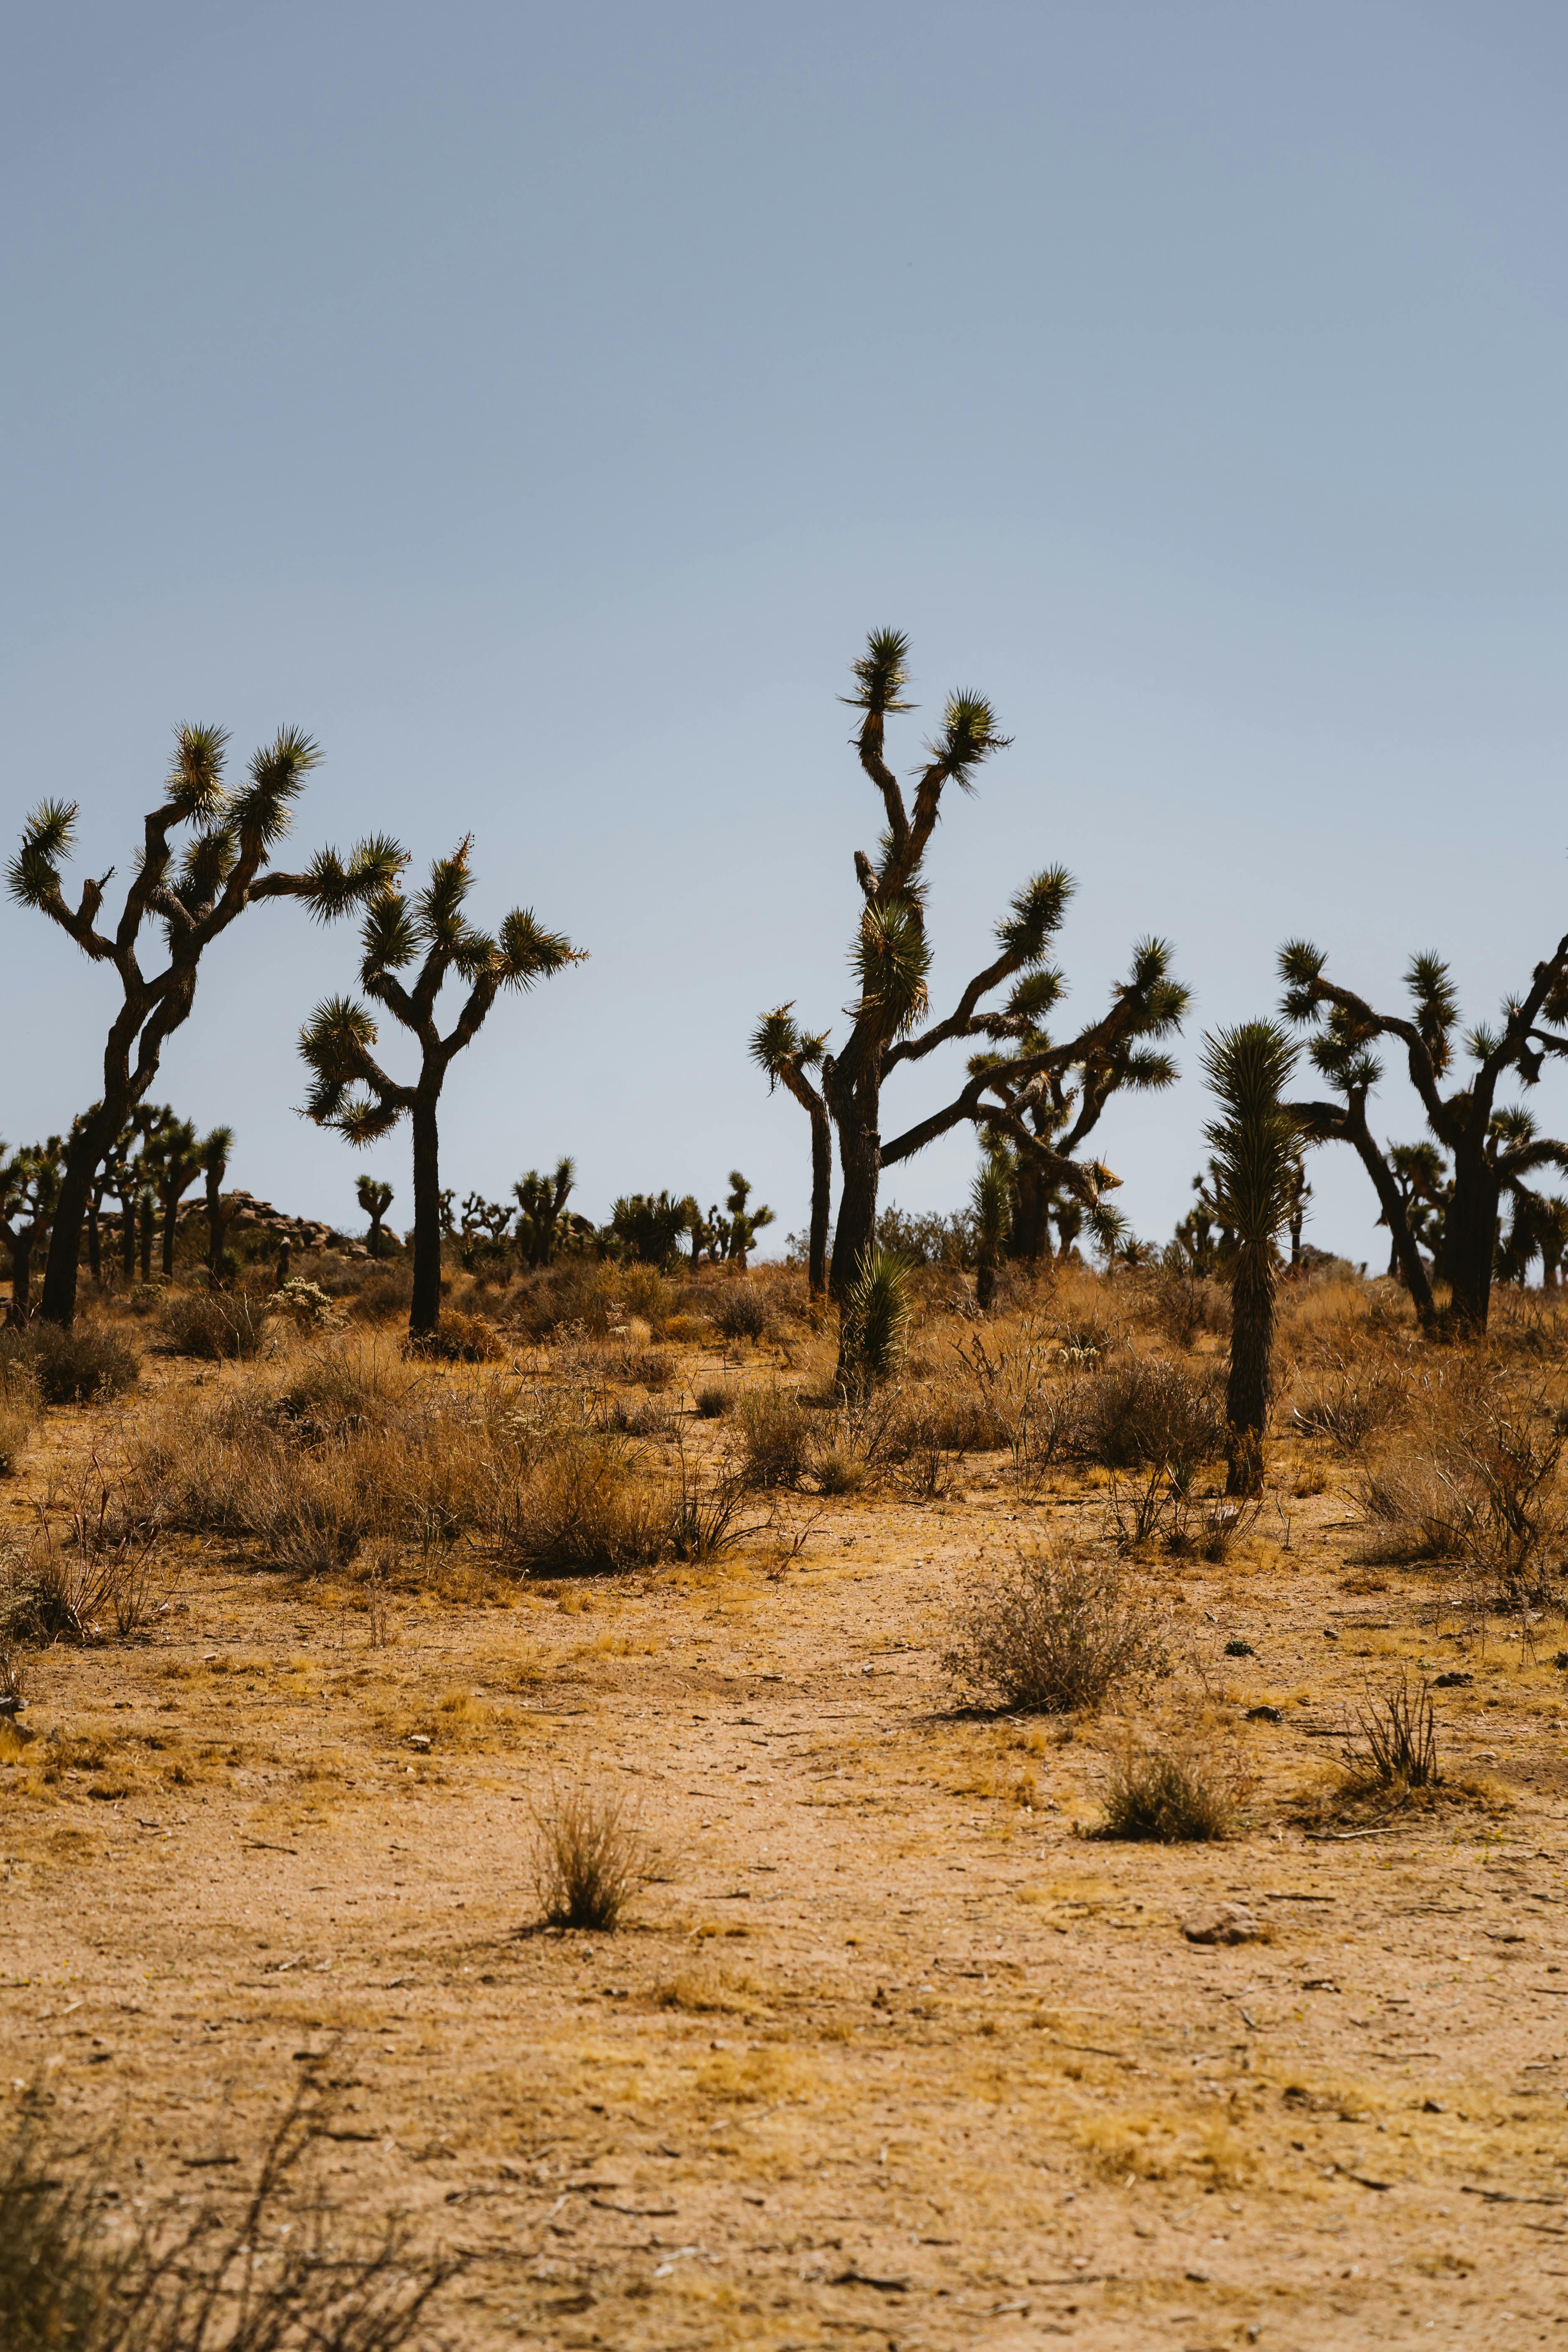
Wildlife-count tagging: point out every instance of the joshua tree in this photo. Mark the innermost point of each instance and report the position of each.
(1491, 1149)
(743, 1225)
(787, 1053)
(173, 1155)
(1420, 1178)
(540, 1202)
(1255, 1144)
(1300, 1193)
(891, 957)
(491, 1218)
(990, 1201)
(645, 1227)
(215, 1156)
(354, 1094)
(29, 1199)
(222, 870)
(698, 1229)
(374, 1199)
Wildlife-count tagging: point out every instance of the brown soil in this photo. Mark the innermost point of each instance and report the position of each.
(888, 2053)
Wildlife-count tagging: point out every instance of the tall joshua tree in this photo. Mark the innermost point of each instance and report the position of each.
(174, 1154)
(891, 956)
(787, 1052)
(194, 893)
(1257, 1148)
(540, 1202)
(374, 1199)
(1492, 1148)
(29, 1200)
(214, 1159)
(354, 1094)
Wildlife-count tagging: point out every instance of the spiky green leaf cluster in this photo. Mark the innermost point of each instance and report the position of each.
(881, 674)
(969, 735)
(891, 962)
(1255, 1141)
(33, 876)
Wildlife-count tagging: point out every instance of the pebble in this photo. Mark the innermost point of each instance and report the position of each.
(1223, 1922)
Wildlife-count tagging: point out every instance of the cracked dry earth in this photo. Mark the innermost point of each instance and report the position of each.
(889, 2055)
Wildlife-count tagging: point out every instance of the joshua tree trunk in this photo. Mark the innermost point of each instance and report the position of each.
(218, 1223)
(147, 1237)
(424, 1309)
(986, 1277)
(128, 1235)
(1031, 1231)
(94, 1245)
(171, 1211)
(90, 1141)
(1248, 1392)
(1469, 1238)
(854, 1108)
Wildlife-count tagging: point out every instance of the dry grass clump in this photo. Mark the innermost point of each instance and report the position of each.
(211, 1324)
(589, 1854)
(73, 1367)
(1400, 1732)
(99, 1581)
(20, 1407)
(776, 1438)
(741, 1311)
(1165, 1800)
(714, 1399)
(267, 2271)
(1475, 1481)
(1353, 1402)
(1052, 1634)
(461, 1339)
(1183, 1307)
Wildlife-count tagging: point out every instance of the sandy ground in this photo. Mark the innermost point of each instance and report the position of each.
(889, 2053)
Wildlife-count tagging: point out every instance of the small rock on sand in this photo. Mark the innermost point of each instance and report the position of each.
(1223, 1922)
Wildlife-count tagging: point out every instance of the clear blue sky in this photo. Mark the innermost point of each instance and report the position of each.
(540, 404)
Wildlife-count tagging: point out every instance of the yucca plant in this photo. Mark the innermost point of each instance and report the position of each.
(364, 1102)
(214, 1156)
(889, 1012)
(540, 1202)
(873, 1332)
(375, 1198)
(787, 1052)
(1492, 1150)
(1257, 1148)
(229, 839)
(990, 1202)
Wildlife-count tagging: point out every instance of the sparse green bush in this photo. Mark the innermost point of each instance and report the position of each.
(1051, 1636)
(1165, 1800)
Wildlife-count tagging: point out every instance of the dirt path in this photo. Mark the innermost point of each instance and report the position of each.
(889, 2054)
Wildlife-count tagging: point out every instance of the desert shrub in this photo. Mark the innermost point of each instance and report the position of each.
(1475, 1482)
(703, 1511)
(20, 1405)
(1051, 1636)
(386, 1293)
(643, 1291)
(96, 1580)
(73, 1367)
(1145, 1414)
(581, 1511)
(460, 1338)
(1183, 1306)
(305, 1304)
(588, 1856)
(714, 1399)
(270, 2270)
(740, 1310)
(838, 1473)
(1353, 1402)
(776, 1435)
(1166, 1800)
(1032, 1406)
(211, 1324)
(1400, 1733)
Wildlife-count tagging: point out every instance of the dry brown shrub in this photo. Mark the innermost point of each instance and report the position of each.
(588, 1857)
(1147, 1414)
(776, 1438)
(1474, 1481)
(581, 1509)
(1166, 1800)
(461, 1339)
(1052, 1634)
(21, 1408)
(211, 1324)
